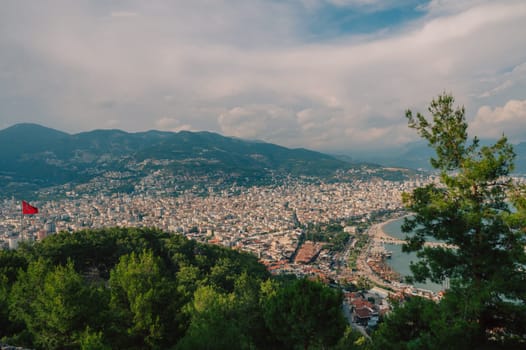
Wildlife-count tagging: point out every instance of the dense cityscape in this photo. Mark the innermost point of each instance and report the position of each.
(264, 220)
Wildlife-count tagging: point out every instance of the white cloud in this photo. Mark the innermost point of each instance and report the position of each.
(124, 14)
(450, 6)
(504, 84)
(172, 124)
(509, 120)
(502, 87)
(112, 123)
(166, 122)
(355, 4)
(253, 121)
(248, 71)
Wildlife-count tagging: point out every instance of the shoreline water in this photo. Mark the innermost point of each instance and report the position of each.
(399, 261)
(380, 233)
(385, 223)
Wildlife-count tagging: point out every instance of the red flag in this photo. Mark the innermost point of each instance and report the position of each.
(28, 208)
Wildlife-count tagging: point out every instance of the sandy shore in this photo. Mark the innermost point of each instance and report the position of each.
(378, 233)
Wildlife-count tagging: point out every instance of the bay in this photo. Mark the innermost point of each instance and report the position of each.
(400, 261)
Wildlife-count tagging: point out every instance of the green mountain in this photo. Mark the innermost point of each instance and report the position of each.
(34, 157)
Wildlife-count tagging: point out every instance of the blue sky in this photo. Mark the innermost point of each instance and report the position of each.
(330, 75)
(332, 20)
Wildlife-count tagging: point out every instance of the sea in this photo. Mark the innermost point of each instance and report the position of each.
(400, 261)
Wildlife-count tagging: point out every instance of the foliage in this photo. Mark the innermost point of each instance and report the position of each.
(10, 262)
(125, 288)
(304, 313)
(333, 234)
(209, 328)
(55, 304)
(4, 314)
(479, 212)
(361, 242)
(352, 339)
(90, 340)
(363, 283)
(408, 326)
(424, 324)
(143, 301)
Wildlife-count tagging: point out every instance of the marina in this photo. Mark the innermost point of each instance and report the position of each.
(390, 264)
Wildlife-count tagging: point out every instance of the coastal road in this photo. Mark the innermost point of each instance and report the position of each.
(364, 269)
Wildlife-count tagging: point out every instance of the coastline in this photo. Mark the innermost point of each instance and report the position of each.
(377, 270)
(378, 233)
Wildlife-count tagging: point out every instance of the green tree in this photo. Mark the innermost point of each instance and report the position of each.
(352, 339)
(424, 324)
(24, 292)
(249, 313)
(144, 303)
(408, 326)
(363, 283)
(90, 340)
(304, 313)
(4, 314)
(11, 261)
(221, 320)
(214, 323)
(55, 305)
(480, 212)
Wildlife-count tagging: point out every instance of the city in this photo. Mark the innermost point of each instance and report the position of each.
(267, 221)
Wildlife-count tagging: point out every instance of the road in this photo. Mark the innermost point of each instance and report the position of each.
(347, 313)
(375, 232)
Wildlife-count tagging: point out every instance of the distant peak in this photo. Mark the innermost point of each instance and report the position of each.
(31, 128)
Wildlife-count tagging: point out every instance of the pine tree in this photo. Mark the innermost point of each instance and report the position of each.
(479, 211)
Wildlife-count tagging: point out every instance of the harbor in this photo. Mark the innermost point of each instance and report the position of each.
(387, 266)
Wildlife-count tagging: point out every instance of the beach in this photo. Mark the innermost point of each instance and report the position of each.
(379, 234)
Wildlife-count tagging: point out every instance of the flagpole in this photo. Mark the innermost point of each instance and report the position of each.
(21, 221)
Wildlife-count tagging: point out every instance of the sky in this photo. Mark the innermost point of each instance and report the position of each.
(329, 75)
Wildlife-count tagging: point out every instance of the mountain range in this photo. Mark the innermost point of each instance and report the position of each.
(34, 157)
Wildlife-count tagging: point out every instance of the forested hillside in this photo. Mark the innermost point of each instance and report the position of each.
(146, 289)
(33, 157)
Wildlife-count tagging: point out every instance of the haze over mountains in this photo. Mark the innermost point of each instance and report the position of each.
(34, 156)
(416, 155)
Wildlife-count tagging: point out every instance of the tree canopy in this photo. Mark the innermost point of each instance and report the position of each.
(304, 313)
(479, 212)
(120, 288)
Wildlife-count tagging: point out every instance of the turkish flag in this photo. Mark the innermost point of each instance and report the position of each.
(28, 208)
